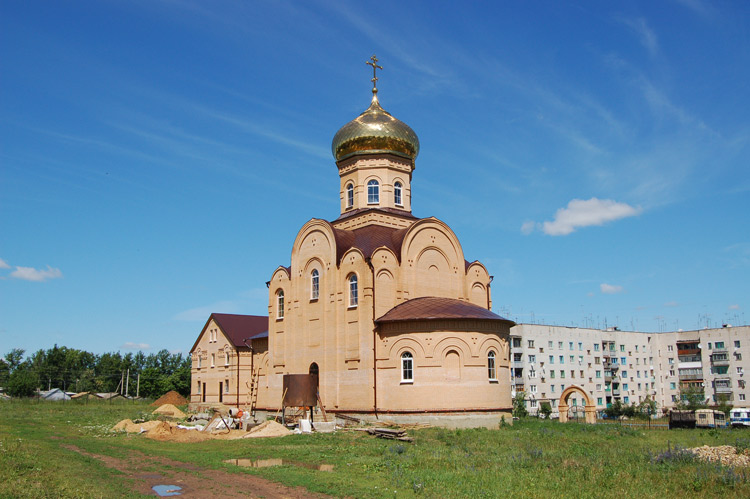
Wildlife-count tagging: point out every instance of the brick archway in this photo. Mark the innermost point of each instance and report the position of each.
(563, 405)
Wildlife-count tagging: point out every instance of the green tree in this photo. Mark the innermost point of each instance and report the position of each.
(691, 398)
(614, 410)
(519, 405)
(23, 382)
(14, 358)
(545, 409)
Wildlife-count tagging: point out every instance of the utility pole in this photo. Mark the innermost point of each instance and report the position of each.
(127, 383)
(122, 381)
(138, 388)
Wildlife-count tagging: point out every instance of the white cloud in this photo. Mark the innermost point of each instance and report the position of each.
(528, 227)
(734, 307)
(671, 304)
(584, 213)
(32, 274)
(610, 289)
(646, 35)
(135, 346)
(4, 264)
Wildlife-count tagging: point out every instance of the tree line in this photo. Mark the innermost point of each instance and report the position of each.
(74, 370)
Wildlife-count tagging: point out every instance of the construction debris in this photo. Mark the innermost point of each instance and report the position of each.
(390, 434)
(171, 411)
(723, 454)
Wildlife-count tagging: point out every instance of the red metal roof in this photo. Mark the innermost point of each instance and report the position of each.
(367, 239)
(238, 328)
(432, 308)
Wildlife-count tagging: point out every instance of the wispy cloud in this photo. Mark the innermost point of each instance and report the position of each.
(734, 307)
(202, 313)
(610, 289)
(671, 304)
(645, 34)
(36, 275)
(135, 346)
(582, 213)
(4, 264)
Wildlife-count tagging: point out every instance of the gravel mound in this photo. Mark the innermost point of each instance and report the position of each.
(723, 454)
(268, 429)
(129, 426)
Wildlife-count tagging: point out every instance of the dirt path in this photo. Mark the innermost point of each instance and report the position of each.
(144, 472)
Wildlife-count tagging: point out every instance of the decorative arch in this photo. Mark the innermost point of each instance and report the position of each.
(563, 404)
(403, 344)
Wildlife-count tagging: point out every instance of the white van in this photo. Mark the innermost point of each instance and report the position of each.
(740, 417)
(709, 418)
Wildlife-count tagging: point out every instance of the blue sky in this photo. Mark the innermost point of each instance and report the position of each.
(157, 158)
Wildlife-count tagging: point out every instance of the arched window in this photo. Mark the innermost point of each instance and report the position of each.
(314, 284)
(373, 192)
(407, 367)
(397, 194)
(280, 304)
(349, 195)
(353, 291)
(491, 371)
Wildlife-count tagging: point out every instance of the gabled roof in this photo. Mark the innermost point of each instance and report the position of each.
(434, 308)
(238, 328)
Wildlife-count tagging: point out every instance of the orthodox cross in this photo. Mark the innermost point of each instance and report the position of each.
(374, 63)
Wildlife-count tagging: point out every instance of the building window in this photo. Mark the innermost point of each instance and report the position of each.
(562, 359)
(226, 358)
(669, 348)
(199, 387)
(552, 388)
(353, 292)
(226, 386)
(598, 401)
(596, 347)
(373, 192)
(491, 366)
(532, 359)
(551, 359)
(562, 373)
(622, 348)
(280, 304)
(530, 343)
(598, 374)
(559, 345)
(736, 343)
(407, 367)
(580, 346)
(516, 342)
(532, 404)
(349, 195)
(719, 344)
(552, 373)
(672, 385)
(200, 362)
(532, 388)
(570, 345)
(314, 284)
(397, 194)
(213, 360)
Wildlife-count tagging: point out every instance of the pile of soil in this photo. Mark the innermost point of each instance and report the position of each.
(171, 397)
(129, 426)
(171, 411)
(268, 429)
(724, 454)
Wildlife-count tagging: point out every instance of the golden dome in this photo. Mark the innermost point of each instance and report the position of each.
(375, 131)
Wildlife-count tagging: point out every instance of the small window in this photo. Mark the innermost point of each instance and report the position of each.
(200, 362)
(199, 386)
(353, 291)
(530, 343)
(280, 304)
(226, 358)
(213, 360)
(491, 366)
(226, 386)
(736, 343)
(314, 284)
(373, 192)
(349, 195)
(407, 367)
(397, 194)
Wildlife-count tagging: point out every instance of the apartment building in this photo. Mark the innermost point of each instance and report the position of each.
(628, 366)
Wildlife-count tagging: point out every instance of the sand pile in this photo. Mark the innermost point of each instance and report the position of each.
(167, 432)
(171, 397)
(268, 429)
(129, 426)
(171, 411)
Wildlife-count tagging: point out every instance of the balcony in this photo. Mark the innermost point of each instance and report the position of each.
(616, 392)
(518, 382)
(691, 377)
(688, 351)
(719, 359)
(723, 385)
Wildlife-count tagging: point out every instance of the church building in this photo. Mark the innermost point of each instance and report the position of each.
(383, 305)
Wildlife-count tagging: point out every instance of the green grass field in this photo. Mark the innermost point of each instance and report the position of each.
(529, 459)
